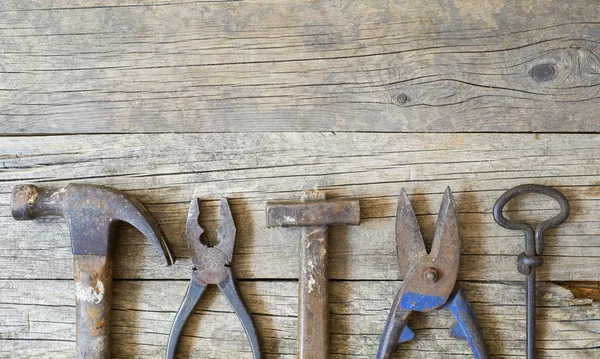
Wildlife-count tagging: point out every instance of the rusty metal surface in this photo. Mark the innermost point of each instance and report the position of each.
(429, 278)
(93, 291)
(441, 264)
(320, 213)
(314, 214)
(211, 265)
(313, 294)
(190, 300)
(534, 245)
(92, 212)
(313, 289)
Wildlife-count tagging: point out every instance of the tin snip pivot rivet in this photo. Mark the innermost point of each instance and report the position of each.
(534, 244)
(429, 279)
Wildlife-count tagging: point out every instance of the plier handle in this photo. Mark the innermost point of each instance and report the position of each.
(211, 265)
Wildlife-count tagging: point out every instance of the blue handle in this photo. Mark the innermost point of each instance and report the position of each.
(466, 326)
(395, 331)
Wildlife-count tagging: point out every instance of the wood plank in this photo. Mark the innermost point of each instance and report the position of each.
(37, 321)
(165, 171)
(229, 66)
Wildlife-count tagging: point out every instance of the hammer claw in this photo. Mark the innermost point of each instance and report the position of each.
(134, 213)
(91, 212)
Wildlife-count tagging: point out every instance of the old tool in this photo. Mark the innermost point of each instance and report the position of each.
(314, 214)
(429, 279)
(92, 212)
(534, 245)
(211, 265)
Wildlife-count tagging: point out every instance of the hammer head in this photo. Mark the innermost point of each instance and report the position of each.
(313, 213)
(92, 212)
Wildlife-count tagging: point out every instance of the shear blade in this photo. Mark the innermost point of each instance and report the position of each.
(409, 241)
(446, 241)
(442, 262)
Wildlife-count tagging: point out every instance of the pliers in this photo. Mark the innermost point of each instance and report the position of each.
(429, 279)
(211, 265)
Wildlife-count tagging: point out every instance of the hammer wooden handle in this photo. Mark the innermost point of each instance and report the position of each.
(93, 285)
(313, 295)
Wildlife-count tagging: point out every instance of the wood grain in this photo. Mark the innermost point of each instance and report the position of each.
(166, 171)
(235, 92)
(238, 66)
(42, 312)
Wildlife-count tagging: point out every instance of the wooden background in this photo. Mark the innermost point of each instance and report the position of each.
(258, 100)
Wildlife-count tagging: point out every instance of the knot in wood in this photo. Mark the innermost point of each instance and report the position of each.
(402, 99)
(543, 72)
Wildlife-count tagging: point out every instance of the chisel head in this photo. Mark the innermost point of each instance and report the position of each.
(311, 213)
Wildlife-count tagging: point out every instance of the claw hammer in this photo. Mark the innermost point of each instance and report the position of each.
(313, 214)
(91, 212)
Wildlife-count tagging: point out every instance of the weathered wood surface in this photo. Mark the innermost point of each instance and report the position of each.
(244, 66)
(222, 66)
(42, 312)
(165, 171)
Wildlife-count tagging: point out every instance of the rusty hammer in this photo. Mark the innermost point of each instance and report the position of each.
(314, 214)
(91, 212)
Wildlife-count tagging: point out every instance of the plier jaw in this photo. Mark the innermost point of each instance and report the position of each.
(429, 278)
(211, 265)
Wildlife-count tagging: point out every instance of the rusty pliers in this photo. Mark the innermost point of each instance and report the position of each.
(211, 265)
(429, 279)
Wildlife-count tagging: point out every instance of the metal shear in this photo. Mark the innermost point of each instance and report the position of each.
(211, 265)
(429, 279)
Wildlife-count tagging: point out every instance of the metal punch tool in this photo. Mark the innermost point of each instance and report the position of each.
(534, 244)
(429, 279)
(211, 265)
